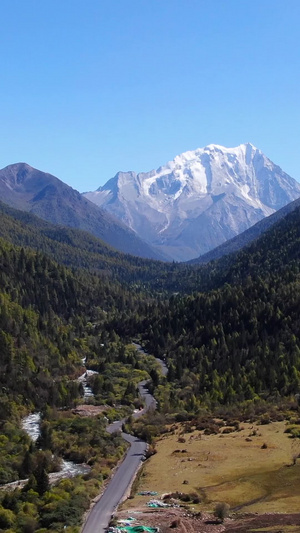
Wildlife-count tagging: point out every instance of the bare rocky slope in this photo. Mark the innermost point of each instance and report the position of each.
(248, 236)
(199, 200)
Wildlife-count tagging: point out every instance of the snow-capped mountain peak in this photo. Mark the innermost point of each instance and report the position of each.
(199, 199)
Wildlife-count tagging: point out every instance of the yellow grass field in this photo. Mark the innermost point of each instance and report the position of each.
(228, 468)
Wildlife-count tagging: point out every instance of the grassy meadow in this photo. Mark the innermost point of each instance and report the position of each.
(251, 469)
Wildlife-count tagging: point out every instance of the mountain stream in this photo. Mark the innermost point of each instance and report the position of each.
(31, 425)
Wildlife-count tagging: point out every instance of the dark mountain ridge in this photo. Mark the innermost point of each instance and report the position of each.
(74, 247)
(44, 195)
(81, 250)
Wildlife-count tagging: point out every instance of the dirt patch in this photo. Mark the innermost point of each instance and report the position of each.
(180, 520)
(276, 523)
(89, 410)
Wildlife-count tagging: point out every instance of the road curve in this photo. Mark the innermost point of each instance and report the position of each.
(99, 517)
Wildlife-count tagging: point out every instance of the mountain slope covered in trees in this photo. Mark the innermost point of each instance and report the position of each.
(241, 340)
(81, 250)
(230, 335)
(46, 318)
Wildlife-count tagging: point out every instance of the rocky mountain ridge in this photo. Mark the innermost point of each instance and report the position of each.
(28, 189)
(199, 200)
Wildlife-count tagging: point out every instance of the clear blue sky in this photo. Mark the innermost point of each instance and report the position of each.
(92, 87)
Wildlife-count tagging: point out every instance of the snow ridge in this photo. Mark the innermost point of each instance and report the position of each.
(199, 199)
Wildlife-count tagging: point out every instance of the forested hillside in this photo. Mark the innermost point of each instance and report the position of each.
(45, 312)
(242, 339)
(247, 323)
(229, 332)
(81, 250)
(51, 319)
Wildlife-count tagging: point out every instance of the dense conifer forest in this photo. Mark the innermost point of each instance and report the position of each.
(239, 340)
(229, 332)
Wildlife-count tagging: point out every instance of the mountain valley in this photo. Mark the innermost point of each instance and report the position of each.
(228, 331)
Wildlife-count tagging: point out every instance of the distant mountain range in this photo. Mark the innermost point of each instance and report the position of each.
(80, 249)
(44, 195)
(199, 200)
(200, 204)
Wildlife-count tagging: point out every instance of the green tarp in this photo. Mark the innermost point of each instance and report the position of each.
(138, 529)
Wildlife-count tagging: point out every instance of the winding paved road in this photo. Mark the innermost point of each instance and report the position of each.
(99, 517)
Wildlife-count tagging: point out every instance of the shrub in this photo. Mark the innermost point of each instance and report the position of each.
(221, 511)
(7, 518)
(265, 419)
(182, 496)
(212, 429)
(182, 416)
